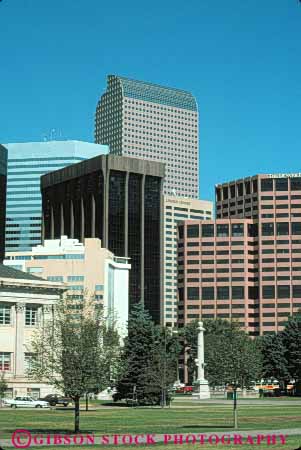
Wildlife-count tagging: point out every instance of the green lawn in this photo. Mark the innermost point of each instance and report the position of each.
(206, 419)
(292, 443)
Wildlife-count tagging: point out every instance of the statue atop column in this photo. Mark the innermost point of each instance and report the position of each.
(201, 390)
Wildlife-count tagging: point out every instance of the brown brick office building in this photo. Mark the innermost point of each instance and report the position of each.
(246, 265)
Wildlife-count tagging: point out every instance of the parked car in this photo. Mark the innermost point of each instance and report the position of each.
(185, 390)
(54, 400)
(26, 402)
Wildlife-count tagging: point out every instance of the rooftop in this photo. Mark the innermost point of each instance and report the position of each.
(155, 93)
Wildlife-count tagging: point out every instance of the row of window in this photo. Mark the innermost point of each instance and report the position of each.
(30, 319)
(6, 361)
(238, 292)
(237, 230)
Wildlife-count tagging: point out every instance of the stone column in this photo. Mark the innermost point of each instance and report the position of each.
(82, 220)
(62, 220)
(201, 386)
(142, 237)
(126, 215)
(93, 224)
(51, 223)
(71, 220)
(106, 190)
(19, 340)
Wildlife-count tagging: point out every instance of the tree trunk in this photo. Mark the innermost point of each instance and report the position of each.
(76, 415)
(87, 402)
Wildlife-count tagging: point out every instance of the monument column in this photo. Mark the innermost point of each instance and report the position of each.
(201, 385)
(19, 340)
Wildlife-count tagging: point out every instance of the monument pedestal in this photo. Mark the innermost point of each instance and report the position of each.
(201, 391)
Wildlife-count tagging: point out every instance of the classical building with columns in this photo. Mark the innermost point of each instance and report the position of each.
(118, 200)
(25, 302)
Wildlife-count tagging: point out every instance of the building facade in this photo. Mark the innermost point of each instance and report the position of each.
(144, 120)
(175, 210)
(25, 302)
(26, 163)
(88, 270)
(257, 239)
(3, 181)
(117, 200)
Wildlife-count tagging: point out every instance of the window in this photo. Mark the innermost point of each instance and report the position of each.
(207, 230)
(207, 293)
(98, 287)
(283, 291)
(252, 230)
(5, 364)
(192, 231)
(268, 291)
(267, 229)
(282, 229)
(28, 360)
(296, 228)
(297, 291)
(222, 230)
(238, 292)
(31, 315)
(181, 232)
(5, 314)
(296, 184)
(281, 184)
(267, 184)
(193, 293)
(237, 229)
(75, 278)
(223, 293)
(55, 278)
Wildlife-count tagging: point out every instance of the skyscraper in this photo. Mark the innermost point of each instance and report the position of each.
(119, 201)
(176, 210)
(245, 265)
(3, 172)
(157, 123)
(26, 163)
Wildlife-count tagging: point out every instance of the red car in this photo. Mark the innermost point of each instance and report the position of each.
(185, 390)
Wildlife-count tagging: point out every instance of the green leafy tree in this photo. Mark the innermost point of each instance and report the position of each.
(3, 387)
(149, 360)
(72, 352)
(291, 339)
(274, 362)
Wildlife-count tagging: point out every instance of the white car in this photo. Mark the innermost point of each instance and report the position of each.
(26, 402)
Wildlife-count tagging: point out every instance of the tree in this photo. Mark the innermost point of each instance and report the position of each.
(3, 386)
(72, 351)
(274, 363)
(148, 358)
(291, 339)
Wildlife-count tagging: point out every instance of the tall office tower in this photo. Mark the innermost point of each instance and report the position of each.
(157, 123)
(176, 210)
(118, 200)
(26, 163)
(3, 173)
(270, 207)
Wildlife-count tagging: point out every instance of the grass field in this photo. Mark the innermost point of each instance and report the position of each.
(292, 443)
(205, 418)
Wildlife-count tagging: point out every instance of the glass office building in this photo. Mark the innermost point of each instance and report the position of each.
(26, 163)
(3, 172)
(152, 122)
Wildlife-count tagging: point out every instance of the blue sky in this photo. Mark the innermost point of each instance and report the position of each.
(240, 58)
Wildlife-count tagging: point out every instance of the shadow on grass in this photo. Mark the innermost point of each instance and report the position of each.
(208, 426)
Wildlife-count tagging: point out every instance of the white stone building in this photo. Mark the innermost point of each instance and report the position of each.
(25, 302)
